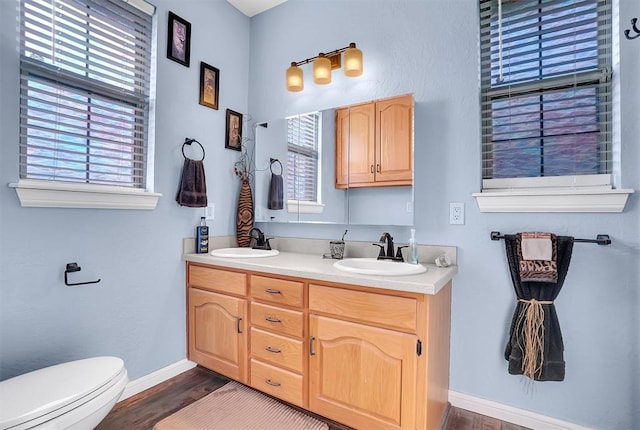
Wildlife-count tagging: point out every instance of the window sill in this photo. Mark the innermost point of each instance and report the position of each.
(590, 199)
(301, 207)
(49, 194)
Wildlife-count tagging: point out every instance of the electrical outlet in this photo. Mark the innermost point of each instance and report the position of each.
(456, 213)
(209, 212)
(409, 207)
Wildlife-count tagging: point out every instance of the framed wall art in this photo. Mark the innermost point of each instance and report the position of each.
(209, 85)
(178, 39)
(233, 139)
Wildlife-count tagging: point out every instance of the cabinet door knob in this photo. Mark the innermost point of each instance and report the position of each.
(271, 319)
(270, 382)
(378, 168)
(272, 291)
(372, 168)
(275, 351)
(238, 324)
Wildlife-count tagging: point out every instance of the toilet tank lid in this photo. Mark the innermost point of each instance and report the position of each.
(31, 395)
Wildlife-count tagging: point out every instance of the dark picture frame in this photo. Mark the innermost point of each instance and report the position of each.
(209, 85)
(233, 139)
(178, 39)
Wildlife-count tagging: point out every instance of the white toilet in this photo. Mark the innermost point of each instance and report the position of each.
(75, 395)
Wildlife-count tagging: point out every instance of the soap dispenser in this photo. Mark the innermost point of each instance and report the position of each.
(413, 248)
(202, 237)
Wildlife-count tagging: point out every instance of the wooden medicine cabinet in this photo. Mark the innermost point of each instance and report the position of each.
(374, 143)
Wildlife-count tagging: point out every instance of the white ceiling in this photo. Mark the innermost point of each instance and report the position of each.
(254, 7)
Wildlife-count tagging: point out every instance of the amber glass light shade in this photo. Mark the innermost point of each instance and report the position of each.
(352, 61)
(295, 81)
(322, 70)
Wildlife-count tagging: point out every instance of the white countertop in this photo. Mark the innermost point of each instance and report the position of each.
(313, 266)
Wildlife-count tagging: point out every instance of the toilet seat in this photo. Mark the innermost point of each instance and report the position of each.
(42, 395)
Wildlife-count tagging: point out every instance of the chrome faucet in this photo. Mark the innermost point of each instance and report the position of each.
(259, 241)
(389, 254)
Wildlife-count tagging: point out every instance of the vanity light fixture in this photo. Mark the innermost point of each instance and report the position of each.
(323, 64)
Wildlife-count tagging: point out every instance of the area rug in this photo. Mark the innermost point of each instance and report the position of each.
(236, 407)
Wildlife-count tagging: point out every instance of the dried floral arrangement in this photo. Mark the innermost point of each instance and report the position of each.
(245, 166)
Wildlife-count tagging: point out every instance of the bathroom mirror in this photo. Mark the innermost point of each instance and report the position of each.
(315, 191)
(301, 149)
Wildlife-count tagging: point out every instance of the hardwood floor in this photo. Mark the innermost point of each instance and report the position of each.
(144, 410)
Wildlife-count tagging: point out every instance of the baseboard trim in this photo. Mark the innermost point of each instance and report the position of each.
(145, 382)
(510, 414)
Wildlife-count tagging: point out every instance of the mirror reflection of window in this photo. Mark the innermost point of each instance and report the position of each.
(303, 158)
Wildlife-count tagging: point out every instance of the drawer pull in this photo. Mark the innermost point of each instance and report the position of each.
(311, 350)
(271, 319)
(274, 384)
(238, 326)
(275, 351)
(272, 291)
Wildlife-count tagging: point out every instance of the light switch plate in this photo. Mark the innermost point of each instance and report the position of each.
(210, 212)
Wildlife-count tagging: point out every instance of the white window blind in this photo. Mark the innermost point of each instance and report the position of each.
(303, 140)
(545, 87)
(84, 91)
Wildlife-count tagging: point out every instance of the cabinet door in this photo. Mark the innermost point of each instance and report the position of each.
(342, 148)
(394, 140)
(362, 143)
(217, 338)
(362, 376)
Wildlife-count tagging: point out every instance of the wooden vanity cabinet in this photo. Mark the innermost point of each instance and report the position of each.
(369, 358)
(216, 320)
(374, 143)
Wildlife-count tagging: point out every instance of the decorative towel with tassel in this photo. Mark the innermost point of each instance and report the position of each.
(537, 255)
(535, 348)
(192, 191)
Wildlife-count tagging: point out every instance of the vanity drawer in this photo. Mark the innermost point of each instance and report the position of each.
(278, 319)
(275, 349)
(370, 308)
(208, 278)
(276, 290)
(277, 382)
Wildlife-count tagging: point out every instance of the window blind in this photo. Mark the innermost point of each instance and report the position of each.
(303, 157)
(84, 91)
(545, 87)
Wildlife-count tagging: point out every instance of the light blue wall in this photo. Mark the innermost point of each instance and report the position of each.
(137, 312)
(430, 48)
(427, 47)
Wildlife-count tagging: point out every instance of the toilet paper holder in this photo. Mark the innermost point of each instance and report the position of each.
(73, 267)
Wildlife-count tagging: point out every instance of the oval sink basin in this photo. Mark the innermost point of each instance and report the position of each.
(372, 266)
(243, 252)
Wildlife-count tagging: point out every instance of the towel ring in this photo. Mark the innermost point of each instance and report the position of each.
(188, 141)
(275, 160)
